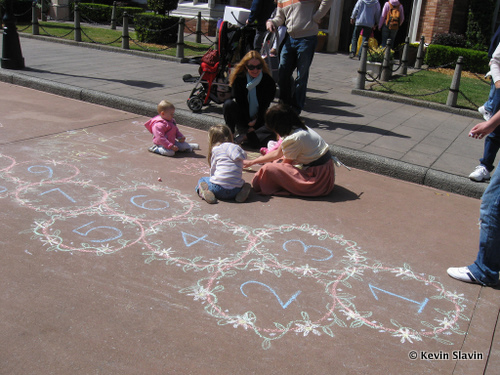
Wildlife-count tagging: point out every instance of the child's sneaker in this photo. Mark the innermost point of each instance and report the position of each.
(462, 274)
(206, 194)
(194, 146)
(243, 194)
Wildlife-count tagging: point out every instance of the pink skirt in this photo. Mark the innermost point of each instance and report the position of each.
(284, 179)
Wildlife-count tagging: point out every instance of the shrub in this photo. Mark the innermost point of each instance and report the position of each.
(100, 13)
(473, 61)
(479, 24)
(162, 7)
(157, 29)
(449, 39)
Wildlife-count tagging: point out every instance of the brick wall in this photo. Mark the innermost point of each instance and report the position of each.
(435, 18)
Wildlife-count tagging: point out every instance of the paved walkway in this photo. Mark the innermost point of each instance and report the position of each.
(111, 264)
(413, 143)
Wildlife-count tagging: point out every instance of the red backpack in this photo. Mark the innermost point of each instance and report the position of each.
(393, 17)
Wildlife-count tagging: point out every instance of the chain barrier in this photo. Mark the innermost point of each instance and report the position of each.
(96, 42)
(202, 33)
(482, 79)
(52, 35)
(137, 43)
(467, 99)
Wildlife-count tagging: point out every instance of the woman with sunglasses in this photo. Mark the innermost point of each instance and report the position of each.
(253, 90)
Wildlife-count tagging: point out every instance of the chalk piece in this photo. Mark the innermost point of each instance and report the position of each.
(159, 179)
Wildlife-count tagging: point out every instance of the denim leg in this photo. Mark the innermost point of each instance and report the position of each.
(492, 105)
(487, 265)
(305, 53)
(288, 62)
(219, 191)
(355, 37)
(385, 35)
(491, 147)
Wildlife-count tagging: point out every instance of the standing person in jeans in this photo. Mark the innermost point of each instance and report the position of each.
(365, 16)
(492, 141)
(301, 19)
(260, 11)
(485, 270)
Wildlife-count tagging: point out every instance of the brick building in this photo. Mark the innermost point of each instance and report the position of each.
(422, 18)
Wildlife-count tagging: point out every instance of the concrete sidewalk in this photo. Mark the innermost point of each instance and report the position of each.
(111, 263)
(423, 145)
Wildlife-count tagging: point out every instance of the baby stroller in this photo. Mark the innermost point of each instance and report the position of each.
(212, 84)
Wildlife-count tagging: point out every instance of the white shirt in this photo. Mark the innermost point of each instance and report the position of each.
(227, 165)
(303, 147)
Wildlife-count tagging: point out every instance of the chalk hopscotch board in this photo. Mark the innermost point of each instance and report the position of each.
(272, 280)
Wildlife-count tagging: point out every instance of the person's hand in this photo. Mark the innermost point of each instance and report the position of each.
(270, 26)
(252, 123)
(482, 129)
(497, 84)
(175, 148)
(182, 140)
(247, 163)
(353, 21)
(246, 22)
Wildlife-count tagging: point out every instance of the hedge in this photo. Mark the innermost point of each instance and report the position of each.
(473, 61)
(100, 13)
(157, 29)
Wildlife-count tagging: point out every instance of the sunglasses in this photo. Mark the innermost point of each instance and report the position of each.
(253, 67)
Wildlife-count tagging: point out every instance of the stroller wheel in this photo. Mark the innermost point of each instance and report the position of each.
(195, 104)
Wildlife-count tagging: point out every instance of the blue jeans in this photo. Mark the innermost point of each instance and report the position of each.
(219, 191)
(387, 34)
(492, 141)
(296, 53)
(487, 265)
(367, 31)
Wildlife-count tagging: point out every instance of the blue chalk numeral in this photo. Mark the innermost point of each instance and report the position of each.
(144, 205)
(307, 247)
(62, 192)
(420, 304)
(198, 239)
(85, 234)
(283, 305)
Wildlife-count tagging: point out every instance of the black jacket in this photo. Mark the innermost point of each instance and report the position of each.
(266, 90)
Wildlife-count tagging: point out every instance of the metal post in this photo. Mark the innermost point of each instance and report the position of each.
(455, 84)
(12, 57)
(387, 63)
(198, 28)
(113, 16)
(78, 30)
(420, 54)
(180, 39)
(360, 82)
(125, 37)
(34, 20)
(404, 58)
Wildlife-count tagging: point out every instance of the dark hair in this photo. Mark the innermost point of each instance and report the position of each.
(282, 119)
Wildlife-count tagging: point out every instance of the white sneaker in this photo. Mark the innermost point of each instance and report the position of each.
(480, 174)
(486, 115)
(462, 274)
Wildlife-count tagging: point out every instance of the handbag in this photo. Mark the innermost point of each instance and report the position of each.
(211, 57)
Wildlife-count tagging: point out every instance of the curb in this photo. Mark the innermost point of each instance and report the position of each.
(417, 102)
(353, 158)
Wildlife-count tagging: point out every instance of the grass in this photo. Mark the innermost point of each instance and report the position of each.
(424, 82)
(110, 37)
